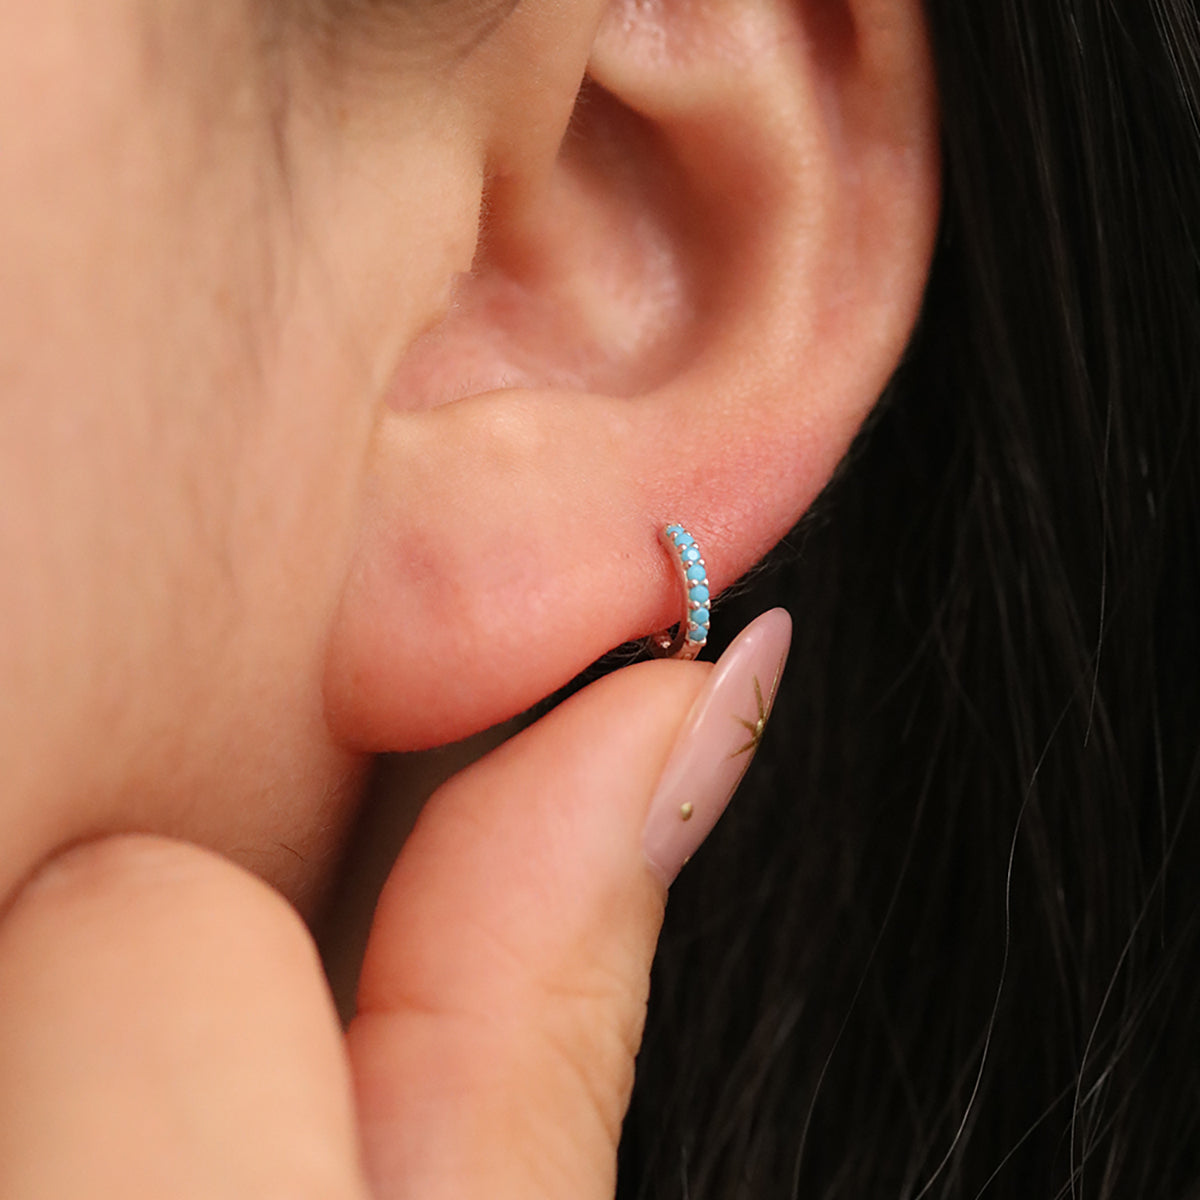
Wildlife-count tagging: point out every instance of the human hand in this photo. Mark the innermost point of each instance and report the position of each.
(165, 1029)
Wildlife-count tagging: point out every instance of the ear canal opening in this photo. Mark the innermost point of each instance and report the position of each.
(585, 283)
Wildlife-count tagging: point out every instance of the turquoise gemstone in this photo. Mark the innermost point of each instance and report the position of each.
(690, 554)
(674, 529)
(696, 574)
(683, 538)
(699, 615)
(697, 635)
(699, 594)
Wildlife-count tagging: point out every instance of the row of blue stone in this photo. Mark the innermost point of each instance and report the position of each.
(697, 576)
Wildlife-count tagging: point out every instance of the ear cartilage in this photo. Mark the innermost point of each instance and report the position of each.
(686, 639)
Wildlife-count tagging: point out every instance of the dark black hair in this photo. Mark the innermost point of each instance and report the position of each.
(947, 941)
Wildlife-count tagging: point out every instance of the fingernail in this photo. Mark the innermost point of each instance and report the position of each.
(716, 743)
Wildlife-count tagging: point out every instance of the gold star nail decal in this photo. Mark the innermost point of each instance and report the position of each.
(754, 728)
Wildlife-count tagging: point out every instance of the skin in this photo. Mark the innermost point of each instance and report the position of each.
(342, 388)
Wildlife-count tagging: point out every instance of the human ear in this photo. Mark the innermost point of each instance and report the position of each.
(686, 296)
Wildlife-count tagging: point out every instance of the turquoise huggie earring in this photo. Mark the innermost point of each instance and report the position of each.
(690, 635)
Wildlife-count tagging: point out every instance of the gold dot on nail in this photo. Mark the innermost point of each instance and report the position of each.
(685, 811)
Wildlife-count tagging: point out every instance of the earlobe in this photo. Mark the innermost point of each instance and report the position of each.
(685, 313)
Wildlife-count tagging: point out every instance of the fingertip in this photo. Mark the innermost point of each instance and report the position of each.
(505, 982)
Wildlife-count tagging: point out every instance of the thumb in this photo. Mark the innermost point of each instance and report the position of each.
(504, 986)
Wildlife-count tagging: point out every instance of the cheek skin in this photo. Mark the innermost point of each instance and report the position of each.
(187, 391)
(135, 311)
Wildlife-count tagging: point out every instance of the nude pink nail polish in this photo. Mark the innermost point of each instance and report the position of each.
(716, 743)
